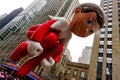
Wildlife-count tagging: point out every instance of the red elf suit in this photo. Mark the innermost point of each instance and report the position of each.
(45, 44)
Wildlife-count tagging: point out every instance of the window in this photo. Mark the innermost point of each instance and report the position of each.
(109, 60)
(107, 71)
(108, 77)
(105, 2)
(109, 51)
(102, 29)
(68, 71)
(102, 35)
(109, 39)
(109, 21)
(82, 75)
(109, 43)
(110, 7)
(118, 15)
(109, 32)
(110, 3)
(110, 29)
(100, 54)
(99, 68)
(109, 55)
(101, 50)
(1, 37)
(99, 71)
(101, 46)
(100, 59)
(110, 14)
(75, 72)
(105, 8)
(102, 32)
(105, 5)
(119, 19)
(109, 35)
(109, 46)
(109, 18)
(101, 39)
(109, 67)
(101, 43)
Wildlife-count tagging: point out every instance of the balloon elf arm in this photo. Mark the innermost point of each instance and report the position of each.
(36, 46)
(60, 28)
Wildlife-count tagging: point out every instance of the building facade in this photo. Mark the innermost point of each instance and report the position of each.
(21, 21)
(2, 16)
(105, 56)
(76, 71)
(86, 55)
(9, 17)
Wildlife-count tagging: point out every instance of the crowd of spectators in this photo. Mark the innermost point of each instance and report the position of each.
(9, 74)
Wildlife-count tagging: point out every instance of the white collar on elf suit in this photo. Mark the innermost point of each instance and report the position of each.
(62, 25)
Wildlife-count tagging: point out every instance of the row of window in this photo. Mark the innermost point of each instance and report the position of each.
(108, 59)
(108, 39)
(108, 70)
(119, 16)
(64, 9)
(16, 28)
(109, 45)
(103, 35)
(100, 54)
(106, 5)
(109, 51)
(75, 73)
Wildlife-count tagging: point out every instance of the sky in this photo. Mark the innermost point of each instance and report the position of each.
(76, 44)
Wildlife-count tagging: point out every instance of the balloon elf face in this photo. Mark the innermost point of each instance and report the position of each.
(86, 19)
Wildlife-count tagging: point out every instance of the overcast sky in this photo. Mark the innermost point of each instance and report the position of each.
(76, 44)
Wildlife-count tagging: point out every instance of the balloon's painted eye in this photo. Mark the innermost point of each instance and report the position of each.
(91, 31)
(89, 22)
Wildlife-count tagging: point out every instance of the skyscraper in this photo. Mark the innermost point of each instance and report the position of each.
(105, 55)
(86, 55)
(9, 17)
(3, 15)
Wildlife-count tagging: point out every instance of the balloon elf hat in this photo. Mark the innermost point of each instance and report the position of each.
(91, 7)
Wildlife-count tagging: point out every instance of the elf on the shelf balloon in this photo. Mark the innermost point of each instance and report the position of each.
(46, 41)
